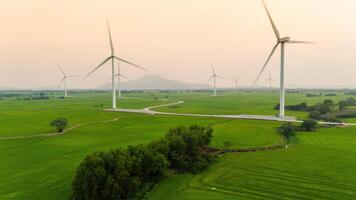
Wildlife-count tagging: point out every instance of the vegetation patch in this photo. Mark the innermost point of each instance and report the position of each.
(128, 173)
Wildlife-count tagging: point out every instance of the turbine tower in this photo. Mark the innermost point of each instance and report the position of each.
(214, 76)
(270, 80)
(119, 76)
(280, 41)
(64, 79)
(112, 58)
(236, 83)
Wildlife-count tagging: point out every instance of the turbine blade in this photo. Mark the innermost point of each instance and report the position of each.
(111, 45)
(212, 66)
(96, 68)
(130, 63)
(264, 66)
(60, 83)
(209, 79)
(60, 68)
(299, 42)
(109, 79)
(276, 32)
(125, 77)
(220, 76)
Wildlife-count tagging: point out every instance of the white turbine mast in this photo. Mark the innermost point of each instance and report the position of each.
(113, 57)
(236, 83)
(214, 76)
(280, 41)
(270, 80)
(119, 76)
(64, 80)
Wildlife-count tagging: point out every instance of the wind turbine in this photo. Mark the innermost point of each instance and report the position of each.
(64, 79)
(119, 76)
(112, 57)
(214, 76)
(236, 83)
(270, 80)
(280, 41)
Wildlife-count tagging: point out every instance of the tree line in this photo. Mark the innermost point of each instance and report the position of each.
(127, 173)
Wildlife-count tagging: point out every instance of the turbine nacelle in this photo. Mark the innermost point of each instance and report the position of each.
(283, 40)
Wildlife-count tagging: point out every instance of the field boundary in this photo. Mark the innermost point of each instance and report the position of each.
(148, 110)
(57, 133)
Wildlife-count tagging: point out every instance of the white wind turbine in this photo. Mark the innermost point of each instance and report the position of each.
(280, 41)
(214, 76)
(270, 80)
(64, 80)
(236, 83)
(112, 57)
(119, 76)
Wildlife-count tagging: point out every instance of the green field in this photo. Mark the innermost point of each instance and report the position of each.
(318, 165)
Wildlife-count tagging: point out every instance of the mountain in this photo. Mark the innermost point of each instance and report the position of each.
(7, 88)
(155, 82)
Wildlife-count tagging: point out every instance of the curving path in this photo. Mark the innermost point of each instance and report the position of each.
(56, 133)
(148, 110)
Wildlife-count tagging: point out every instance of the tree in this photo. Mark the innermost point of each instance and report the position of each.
(123, 174)
(185, 147)
(328, 102)
(287, 130)
(308, 125)
(147, 163)
(314, 114)
(105, 175)
(342, 104)
(60, 124)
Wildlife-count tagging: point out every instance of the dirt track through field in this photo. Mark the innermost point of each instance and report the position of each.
(57, 133)
(148, 110)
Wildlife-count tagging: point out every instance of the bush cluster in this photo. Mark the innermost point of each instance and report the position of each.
(298, 107)
(122, 173)
(288, 129)
(348, 102)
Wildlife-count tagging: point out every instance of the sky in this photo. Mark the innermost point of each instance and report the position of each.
(177, 39)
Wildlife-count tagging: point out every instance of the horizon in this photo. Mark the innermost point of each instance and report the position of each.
(177, 40)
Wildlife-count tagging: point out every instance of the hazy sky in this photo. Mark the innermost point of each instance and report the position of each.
(177, 39)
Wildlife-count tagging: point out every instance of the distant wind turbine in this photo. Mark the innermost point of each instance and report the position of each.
(236, 83)
(119, 76)
(282, 42)
(113, 57)
(270, 80)
(64, 80)
(214, 76)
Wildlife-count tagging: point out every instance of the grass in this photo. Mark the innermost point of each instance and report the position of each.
(318, 166)
(262, 103)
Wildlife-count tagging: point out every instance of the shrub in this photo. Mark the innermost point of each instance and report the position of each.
(60, 124)
(314, 114)
(328, 102)
(287, 130)
(185, 148)
(329, 118)
(298, 107)
(342, 105)
(147, 163)
(308, 125)
(105, 175)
